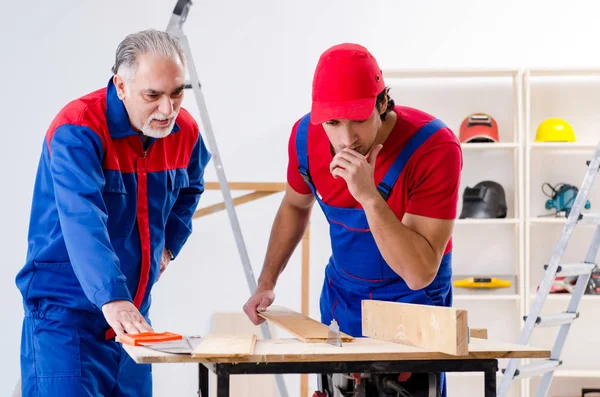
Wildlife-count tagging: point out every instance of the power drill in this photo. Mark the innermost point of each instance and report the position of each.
(562, 198)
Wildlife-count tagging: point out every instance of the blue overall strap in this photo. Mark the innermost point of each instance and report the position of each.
(390, 178)
(302, 150)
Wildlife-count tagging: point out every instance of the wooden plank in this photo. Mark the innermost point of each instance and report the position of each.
(303, 327)
(253, 385)
(305, 271)
(480, 333)
(361, 349)
(225, 345)
(305, 295)
(246, 198)
(430, 327)
(256, 186)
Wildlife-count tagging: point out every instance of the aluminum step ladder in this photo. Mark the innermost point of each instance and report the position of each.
(582, 271)
(175, 28)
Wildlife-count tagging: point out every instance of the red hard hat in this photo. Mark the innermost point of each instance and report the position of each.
(478, 127)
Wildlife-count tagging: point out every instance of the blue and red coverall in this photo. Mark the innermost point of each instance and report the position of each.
(105, 205)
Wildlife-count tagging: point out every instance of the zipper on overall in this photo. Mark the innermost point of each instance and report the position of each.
(143, 222)
(144, 230)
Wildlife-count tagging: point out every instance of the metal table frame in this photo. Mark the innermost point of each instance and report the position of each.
(224, 370)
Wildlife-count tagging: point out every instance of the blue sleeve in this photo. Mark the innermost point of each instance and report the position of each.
(179, 222)
(76, 166)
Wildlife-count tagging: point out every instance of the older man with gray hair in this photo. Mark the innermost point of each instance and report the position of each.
(120, 176)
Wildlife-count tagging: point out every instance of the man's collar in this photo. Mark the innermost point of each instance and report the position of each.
(116, 114)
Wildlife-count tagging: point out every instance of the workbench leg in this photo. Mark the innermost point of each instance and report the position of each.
(202, 381)
(490, 382)
(223, 384)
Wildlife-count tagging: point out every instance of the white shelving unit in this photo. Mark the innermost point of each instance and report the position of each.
(522, 243)
(452, 95)
(573, 95)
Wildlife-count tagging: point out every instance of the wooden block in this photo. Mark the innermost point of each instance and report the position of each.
(237, 322)
(442, 329)
(225, 345)
(303, 327)
(480, 333)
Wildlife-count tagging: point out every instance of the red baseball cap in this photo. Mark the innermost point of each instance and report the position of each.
(346, 83)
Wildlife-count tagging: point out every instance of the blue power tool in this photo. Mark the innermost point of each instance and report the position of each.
(562, 197)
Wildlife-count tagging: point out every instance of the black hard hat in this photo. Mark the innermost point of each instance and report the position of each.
(486, 200)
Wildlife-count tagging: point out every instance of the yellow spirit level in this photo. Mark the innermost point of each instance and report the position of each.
(482, 282)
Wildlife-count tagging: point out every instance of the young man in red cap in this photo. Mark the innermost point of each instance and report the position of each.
(387, 178)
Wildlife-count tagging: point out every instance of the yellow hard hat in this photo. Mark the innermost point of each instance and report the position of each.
(554, 130)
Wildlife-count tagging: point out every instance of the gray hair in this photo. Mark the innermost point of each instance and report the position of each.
(149, 41)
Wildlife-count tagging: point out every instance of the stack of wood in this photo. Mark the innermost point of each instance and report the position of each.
(440, 329)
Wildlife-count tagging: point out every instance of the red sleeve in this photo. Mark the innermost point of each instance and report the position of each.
(294, 177)
(435, 182)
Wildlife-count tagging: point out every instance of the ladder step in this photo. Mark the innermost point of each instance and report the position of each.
(551, 320)
(538, 368)
(574, 269)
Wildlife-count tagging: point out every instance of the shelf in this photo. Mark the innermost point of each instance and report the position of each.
(448, 73)
(487, 297)
(563, 145)
(577, 373)
(493, 221)
(567, 297)
(583, 72)
(488, 146)
(551, 220)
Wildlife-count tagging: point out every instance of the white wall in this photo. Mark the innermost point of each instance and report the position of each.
(256, 60)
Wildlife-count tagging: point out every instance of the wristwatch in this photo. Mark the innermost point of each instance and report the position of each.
(170, 253)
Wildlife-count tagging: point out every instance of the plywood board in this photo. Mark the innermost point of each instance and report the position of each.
(361, 349)
(225, 345)
(303, 327)
(442, 329)
(248, 385)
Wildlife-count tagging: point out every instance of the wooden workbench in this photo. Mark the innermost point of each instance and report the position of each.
(272, 356)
